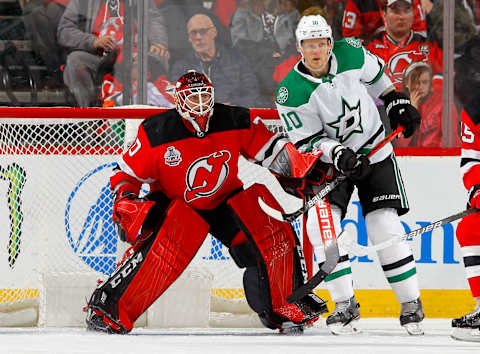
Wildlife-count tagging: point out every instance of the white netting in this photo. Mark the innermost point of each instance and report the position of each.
(55, 211)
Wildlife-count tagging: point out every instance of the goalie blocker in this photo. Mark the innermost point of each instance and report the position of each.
(273, 267)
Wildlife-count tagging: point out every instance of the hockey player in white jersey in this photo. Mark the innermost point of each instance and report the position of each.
(326, 103)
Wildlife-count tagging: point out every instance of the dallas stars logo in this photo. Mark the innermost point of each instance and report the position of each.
(349, 122)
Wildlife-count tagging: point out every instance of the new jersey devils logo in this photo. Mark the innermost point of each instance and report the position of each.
(206, 175)
(400, 61)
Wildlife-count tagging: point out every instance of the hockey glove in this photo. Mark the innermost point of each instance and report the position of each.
(129, 214)
(346, 161)
(401, 112)
(474, 197)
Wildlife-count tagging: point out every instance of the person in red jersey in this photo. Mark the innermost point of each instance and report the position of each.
(467, 327)
(364, 18)
(425, 93)
(189, 157)
(400, 45)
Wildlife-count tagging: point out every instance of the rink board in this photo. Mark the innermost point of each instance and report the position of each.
(433, 186)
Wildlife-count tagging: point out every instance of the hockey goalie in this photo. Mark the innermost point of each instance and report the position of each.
(189, 157)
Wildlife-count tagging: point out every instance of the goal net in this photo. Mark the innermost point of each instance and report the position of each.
(56, 232)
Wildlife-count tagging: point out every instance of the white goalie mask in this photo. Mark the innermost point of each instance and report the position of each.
(194, 100)
(310, 27)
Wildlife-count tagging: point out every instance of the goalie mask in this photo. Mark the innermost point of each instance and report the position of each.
(194, 100)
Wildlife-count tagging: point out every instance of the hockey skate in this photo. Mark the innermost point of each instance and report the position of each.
(411, 315)
(340, 320)
(467, 327)
(98, 319)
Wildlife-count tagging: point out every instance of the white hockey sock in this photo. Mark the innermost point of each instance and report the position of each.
(339, 281)
(397, 260)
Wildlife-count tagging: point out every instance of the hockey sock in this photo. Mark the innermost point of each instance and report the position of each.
(339, 281)
(397, 260)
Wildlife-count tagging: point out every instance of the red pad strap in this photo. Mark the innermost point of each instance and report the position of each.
(176, 243)
(276, 244)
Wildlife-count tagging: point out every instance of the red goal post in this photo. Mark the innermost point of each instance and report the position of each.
(55, 204)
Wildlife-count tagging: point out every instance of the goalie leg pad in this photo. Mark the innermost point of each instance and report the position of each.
(273, 244)
(141, 279)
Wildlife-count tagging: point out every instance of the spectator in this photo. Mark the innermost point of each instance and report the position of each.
(176, 14)
(234, 81)
(159, 90)
(92, 29)
(224, 9)
(474, 6)
(425, 94)
(42, 26)
(399, 46)
(364, 18)
(464, 27)
(264, 33)
(467, 71)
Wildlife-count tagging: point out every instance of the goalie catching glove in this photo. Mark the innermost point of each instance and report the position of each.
(400, 112)
(347, 162)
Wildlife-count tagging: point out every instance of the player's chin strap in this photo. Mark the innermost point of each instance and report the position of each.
(324, 190)
(348, 242)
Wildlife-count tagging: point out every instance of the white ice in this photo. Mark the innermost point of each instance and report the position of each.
(377, 336)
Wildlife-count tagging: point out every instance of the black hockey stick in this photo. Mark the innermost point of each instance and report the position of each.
(324, 190)
(354, 248)
(331, 259)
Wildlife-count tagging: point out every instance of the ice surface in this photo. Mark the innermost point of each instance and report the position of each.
(377, 336)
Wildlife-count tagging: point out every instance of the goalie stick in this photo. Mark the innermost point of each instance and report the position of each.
(349, 244)
(324, 190)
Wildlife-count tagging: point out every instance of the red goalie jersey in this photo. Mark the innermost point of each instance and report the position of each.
(201, 171)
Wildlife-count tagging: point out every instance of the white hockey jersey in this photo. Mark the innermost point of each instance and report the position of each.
(320, 113)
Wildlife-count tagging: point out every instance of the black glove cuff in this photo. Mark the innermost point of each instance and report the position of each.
(394, 98)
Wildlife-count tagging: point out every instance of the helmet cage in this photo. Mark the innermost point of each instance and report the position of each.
(195, 104)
